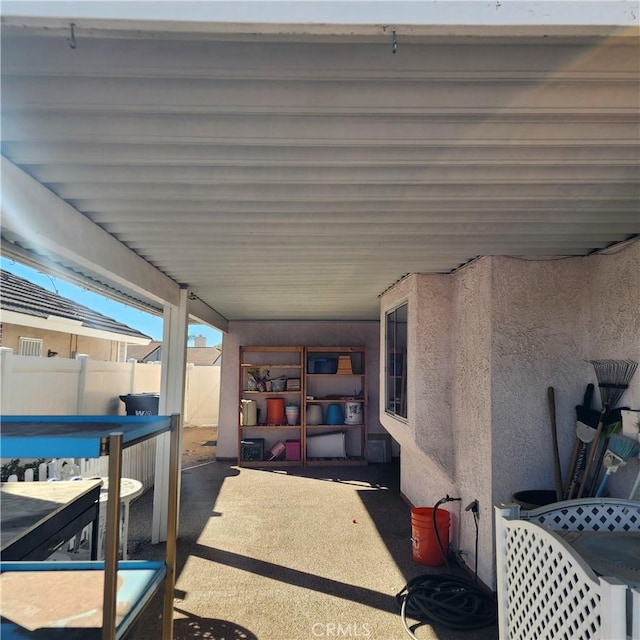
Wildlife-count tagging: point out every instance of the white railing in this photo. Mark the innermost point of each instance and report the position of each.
(138, 463)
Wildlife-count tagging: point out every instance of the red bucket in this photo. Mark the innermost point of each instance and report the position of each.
(275, 411)
(423, 537)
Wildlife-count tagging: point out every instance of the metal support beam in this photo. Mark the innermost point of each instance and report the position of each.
(206, 315)
(36, 217)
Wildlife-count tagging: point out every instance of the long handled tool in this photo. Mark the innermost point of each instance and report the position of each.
(636, 484)
(582, 439)
(557, 472)
(619, 451)
(613, 380)
(585, 435)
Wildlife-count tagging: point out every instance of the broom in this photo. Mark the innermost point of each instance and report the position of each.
(620, 450)
(613, 380)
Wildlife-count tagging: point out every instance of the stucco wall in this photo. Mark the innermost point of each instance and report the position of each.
(613, 329)
(472, 406)
(507, 330)
(337, 334)
(537, 338)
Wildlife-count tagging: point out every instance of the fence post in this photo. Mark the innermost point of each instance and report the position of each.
(82, 382)
(188, 381)
(6, 369)
(613, 608)
(132, 375)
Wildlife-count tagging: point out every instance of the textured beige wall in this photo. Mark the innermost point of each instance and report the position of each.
(484, 346)
(538, 332)
(471, 402)
(336, 334)
(66, 345)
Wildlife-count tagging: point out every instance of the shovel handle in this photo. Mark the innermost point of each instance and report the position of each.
(557, 472)
(572, 478)
(592, 452)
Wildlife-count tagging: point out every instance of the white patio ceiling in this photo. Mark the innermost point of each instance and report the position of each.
(298, 176)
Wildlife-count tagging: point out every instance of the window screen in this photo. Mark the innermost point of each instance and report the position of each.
(396, 361)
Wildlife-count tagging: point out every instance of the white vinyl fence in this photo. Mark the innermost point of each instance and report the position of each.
(60, 386)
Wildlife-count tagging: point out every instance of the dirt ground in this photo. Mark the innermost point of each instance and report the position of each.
(198, 445)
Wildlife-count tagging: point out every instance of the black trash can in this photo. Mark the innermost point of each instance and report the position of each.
(141, 404)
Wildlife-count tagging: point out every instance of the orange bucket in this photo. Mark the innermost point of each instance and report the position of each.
(275, 411)
(423, 537)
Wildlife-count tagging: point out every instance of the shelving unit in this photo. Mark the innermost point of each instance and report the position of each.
(274, 363)
(339, 378)
(90, 598)
(337, 375)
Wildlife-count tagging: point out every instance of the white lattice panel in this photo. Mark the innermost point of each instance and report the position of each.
(595, 514)
(546, 591)
(549, 597)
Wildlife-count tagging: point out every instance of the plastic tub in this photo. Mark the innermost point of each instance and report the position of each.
(279, 384)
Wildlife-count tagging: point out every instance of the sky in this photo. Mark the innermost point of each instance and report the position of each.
(147, 323)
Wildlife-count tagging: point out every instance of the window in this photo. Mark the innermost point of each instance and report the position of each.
(30, 347)
(396, 361)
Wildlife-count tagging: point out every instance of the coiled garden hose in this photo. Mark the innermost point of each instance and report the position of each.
(453, 601)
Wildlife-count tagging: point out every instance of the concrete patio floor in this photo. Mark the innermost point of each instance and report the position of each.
(290, 554)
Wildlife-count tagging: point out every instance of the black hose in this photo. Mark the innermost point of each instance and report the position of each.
(453, 601)
(434, 515)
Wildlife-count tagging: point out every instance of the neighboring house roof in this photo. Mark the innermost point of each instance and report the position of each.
(195, 355)
(202, 355)
(141, 353)
(25, 303)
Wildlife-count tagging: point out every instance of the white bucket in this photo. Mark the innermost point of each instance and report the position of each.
(249, 413)
(353, 413)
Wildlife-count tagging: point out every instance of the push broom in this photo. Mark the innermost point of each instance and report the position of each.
(636, 484)
(619, 451)
(613, 380)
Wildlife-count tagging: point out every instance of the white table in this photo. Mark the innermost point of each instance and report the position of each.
(129, 489)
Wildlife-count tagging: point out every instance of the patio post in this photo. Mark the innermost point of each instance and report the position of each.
(172, 387)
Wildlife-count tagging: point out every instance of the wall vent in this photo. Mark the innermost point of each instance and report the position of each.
(30, 347)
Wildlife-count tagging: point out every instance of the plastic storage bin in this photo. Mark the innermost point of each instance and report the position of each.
(252, 450)
(292, 450)
(327, 445)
